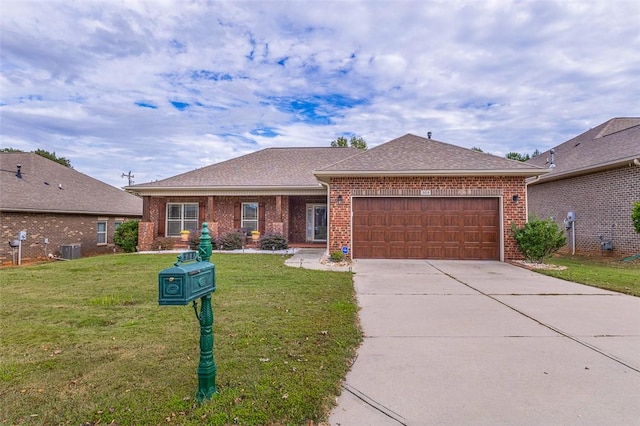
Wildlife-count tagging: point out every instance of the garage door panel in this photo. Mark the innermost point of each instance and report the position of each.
(436, 228)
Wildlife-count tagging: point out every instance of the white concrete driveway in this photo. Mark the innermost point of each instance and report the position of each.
(488, 343)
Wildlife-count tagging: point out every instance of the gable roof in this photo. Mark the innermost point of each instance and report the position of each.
(415, 155)
(49, 187)
(612, 144)
(279, 170)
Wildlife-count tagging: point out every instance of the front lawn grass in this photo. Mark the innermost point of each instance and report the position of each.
(85, 342)
(609, 274)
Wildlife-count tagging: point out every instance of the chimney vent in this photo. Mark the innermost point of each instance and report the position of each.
(429, 135)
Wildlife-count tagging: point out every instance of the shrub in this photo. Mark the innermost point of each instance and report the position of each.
(635, 217)
(273, 242)
(231, 241)
(194, 240)
(163, 243)
(337, 256)
(126, 236)
(539, 239)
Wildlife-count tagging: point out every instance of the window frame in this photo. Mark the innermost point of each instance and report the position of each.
(185, 223)
(244, 221)
(103, 233)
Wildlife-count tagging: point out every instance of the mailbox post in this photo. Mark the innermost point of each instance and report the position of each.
(185, 283)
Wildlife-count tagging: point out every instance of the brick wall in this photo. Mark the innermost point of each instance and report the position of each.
(59, 229)
(505, 186)
(603, 203)
(219, 212)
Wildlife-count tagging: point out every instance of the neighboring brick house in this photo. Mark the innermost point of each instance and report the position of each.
(597, 176)
(58, 207)
(412, 197)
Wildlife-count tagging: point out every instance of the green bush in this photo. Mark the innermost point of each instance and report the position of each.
(539, 239)
(273, 242)
(126, 236)
(337, 256)
(231, 241)
(635, 217)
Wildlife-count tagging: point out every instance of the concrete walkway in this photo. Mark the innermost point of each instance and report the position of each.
(488, 343)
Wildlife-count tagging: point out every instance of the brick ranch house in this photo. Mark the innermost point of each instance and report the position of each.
(58, 207)
(597, 176)
(411, 197)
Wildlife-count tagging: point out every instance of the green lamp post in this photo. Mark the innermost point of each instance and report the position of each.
(193, 277)
(207, 365)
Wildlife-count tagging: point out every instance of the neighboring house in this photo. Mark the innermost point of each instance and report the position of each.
(412, 197)
(58, 207)
(597, 176)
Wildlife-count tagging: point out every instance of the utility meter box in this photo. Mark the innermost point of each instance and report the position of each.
(187, 280)
(571, 216)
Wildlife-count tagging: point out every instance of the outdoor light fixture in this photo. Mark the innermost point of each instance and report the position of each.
(516, 198)
(339, 199)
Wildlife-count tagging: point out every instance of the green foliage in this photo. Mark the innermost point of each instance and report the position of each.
(635, 217)
(517, 156)
(535, 153)
(337, 256)
(539, 239)
(355, 142)
(273, 242)
(163, 243)
(126, 236)
(53, 157)
(46, 154)
(477, 149)
(231, 241)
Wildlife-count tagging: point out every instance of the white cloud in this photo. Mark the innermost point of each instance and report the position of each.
(95, 80)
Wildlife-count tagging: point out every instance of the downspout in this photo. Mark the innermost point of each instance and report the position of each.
(328, 213)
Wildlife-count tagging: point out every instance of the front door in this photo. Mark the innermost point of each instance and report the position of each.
(316, 222)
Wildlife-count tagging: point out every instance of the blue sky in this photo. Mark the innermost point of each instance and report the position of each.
(162, 87)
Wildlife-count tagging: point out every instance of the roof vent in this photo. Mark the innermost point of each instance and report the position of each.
(553, 161)
(18, 172)
(429, 135)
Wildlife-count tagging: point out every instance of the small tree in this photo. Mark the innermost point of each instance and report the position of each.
(355, 142)
(539, 239)
(517, 156)
(126, 236)
(635, 217)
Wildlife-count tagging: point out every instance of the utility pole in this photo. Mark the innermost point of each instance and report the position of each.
(130, 176)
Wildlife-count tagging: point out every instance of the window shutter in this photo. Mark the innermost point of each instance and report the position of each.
(162, 217)
(202, 208)
(261, 218)
(237, 215)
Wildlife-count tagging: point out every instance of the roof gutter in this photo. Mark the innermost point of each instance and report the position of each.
(323, 174)
(628, 161)
(87, 213)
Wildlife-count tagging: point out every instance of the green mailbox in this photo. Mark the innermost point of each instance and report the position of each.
(188, 280)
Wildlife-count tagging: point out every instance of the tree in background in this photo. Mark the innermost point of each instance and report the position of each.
(355, 142)
(517, 156)
(46, 154)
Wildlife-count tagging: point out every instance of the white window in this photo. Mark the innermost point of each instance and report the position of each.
(181, 217)
(102, 232)
(249, 216)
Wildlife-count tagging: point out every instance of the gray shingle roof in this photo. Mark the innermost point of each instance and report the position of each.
(271, 167)
(612, 142)
(47, 186)
(411, 153)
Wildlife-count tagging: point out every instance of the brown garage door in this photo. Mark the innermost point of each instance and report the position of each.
(426, 228)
